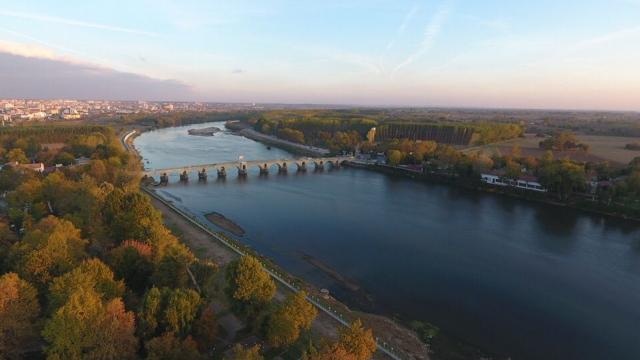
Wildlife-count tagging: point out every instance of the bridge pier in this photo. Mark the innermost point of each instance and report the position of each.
(222, 173)
(302, 167)
(184, 177)
(319, 166)
(264, 169)
(164, 179)
(202, 175)
(282, 169)
(242, 171)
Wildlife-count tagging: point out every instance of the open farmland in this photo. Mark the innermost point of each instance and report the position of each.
(602, 148)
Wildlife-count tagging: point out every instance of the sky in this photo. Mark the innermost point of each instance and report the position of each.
(559, 54)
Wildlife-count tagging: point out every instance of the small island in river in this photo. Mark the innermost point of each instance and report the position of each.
(209, 131)
(225, 223)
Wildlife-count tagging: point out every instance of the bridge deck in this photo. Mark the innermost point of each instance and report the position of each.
(248, 163)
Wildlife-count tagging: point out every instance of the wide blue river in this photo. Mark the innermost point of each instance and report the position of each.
(527, 280)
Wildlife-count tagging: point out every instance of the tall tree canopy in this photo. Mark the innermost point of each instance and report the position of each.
(169, 347)
(291, 317)
(249, 282)
(19, 311)
(85, 327)
(91, 274)
(53, 247)
(168, 310)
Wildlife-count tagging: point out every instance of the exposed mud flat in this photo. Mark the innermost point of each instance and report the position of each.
(225, 223)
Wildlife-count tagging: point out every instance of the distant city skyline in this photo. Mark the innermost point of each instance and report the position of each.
(444, 53)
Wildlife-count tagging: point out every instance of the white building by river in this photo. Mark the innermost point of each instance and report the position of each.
(527, 182)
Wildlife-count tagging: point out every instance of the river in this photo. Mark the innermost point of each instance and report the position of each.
(528, 280)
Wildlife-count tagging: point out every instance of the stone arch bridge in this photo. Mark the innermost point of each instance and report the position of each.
(282, 166)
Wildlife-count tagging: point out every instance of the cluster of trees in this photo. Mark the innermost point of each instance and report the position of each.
(347, 130)
(283, 324)
(32, 144)
(563, 141)
(88, 270)
(83, 255)
(336, 131)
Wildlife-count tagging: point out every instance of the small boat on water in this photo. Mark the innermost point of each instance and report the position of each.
(268, 147)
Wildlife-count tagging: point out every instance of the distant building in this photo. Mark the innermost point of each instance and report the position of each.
(527, 182)
(69, 114)
(37, 167)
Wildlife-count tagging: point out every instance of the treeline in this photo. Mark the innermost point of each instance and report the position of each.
(182, 118)
(446, 134)
(345, 130)
(563, 141)
(88, 270)
(334, 131)
(58, 144)
(598, 186)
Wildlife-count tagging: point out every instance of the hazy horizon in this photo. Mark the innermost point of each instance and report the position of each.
(443, 54)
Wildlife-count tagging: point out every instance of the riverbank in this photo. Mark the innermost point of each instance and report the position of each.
(394, 341)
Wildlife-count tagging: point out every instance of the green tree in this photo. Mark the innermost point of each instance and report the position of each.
(19, 310)
(17, 155)
(249, 282)
(394, 157)
(241, 353)
(130, 215)
(168, 310)
(92, 274)
(169, 347)
(131, 261)
(87, 328)
(52, 248)
(294, 315)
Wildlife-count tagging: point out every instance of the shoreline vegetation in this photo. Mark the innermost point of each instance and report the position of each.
(225, 223)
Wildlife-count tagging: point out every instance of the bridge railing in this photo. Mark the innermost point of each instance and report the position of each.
(328, 305)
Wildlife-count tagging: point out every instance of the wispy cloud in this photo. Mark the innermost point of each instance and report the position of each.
(72, 22)
(362, 61)
(403, 26)
(607, 38)
(430, 34)
(43, 49)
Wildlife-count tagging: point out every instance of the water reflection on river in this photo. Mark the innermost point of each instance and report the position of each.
(520, 278)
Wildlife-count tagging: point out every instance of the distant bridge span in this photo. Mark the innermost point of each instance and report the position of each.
(264, 165)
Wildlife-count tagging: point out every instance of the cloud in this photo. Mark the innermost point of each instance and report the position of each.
(71, 22)
(430, 33)
(403, 26)
(41, 77)
(607, 38)
(27, 50)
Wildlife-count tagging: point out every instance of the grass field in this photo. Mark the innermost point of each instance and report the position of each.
(609, 148)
